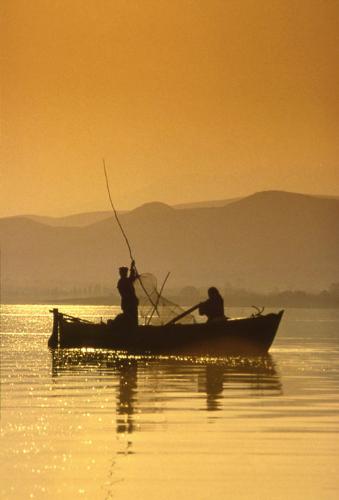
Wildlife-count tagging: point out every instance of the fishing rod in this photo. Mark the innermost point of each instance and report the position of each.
(155, 306)
(115, 212)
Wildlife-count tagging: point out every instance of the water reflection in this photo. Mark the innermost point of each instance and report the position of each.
(256, 376)
(108, 426)
(127, 372)
(148, 383)
(214, 383)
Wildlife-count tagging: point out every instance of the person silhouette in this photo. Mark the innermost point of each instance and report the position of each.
(213, 307)
(129, 300)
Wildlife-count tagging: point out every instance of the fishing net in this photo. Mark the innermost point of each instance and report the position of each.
(154, 308)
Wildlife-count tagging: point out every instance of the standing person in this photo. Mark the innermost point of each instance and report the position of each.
(129, 300)
(213, 307)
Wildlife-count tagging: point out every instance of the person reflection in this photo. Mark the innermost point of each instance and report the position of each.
(214, 386)
(253, 376)
(127, 370)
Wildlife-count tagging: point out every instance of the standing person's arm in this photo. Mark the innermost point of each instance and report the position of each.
(133, 272)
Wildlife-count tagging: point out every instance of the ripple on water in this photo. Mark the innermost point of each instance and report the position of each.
(98, 424)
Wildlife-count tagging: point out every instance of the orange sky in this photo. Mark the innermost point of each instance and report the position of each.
(186, 100)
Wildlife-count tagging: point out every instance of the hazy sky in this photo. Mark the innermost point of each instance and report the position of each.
(186, 100)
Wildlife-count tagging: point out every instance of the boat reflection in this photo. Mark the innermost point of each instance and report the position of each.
(238, 376)
(148, 383)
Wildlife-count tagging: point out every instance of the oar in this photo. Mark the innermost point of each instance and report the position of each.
(182, 315)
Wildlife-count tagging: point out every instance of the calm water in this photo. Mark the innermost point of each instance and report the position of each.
(97, 425)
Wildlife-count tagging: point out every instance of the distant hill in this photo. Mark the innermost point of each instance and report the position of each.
(82, 219)
(87, 218)
(264, 241)
(206, 204)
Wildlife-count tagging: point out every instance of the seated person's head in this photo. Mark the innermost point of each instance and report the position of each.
(213, 292)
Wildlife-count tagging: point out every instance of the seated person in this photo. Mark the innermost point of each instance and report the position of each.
(213, 307)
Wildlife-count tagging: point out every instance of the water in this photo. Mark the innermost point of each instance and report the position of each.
(97, 425)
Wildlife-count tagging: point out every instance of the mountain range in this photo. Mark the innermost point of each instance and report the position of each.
(86, 218)
(269, 240)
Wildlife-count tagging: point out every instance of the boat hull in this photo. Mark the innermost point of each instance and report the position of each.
(253, 335)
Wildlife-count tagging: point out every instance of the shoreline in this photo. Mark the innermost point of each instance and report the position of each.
(106, 301)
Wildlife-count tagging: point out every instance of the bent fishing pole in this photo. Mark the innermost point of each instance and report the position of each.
(155, 306)
(116, 214)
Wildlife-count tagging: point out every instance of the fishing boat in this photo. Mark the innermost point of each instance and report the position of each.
(252, 335)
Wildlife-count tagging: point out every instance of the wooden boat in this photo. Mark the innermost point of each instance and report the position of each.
(252, 335)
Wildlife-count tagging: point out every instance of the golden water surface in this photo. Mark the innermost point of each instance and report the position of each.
(94, 424)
